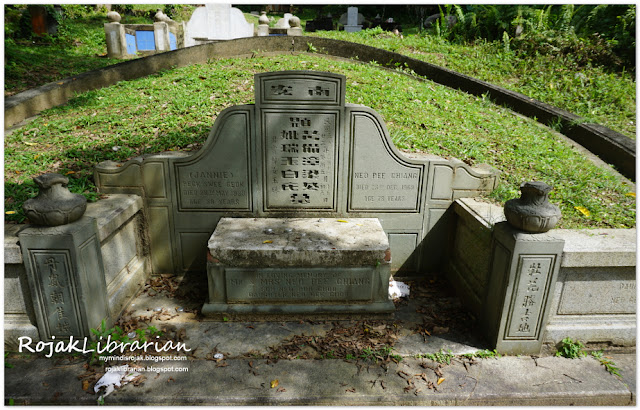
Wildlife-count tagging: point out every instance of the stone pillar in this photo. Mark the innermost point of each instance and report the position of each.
(66, 278)
(116, 42)
(161, 35)
(522, 279)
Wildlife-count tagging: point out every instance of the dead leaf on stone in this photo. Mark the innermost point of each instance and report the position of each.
(171, 379)
(440, 380)
(139, 380)
(281, 390)
(351, 390)
(85, 385)
(274, 383)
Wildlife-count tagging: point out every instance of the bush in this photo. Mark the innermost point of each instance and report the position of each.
(602, 35)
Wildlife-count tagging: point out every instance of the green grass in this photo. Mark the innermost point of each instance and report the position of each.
(175, 109)
(590, 92)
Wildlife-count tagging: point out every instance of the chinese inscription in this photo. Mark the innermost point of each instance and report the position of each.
(300, 151)
(53, 270)
(530, 297)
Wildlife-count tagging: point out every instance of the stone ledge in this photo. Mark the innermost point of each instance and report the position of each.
(299, 242)
(112, 212)
(483, 212)
(583, 247)
(597, 247)
(12, 252)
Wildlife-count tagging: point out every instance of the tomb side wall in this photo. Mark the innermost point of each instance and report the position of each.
(594, 299)
(124, 254)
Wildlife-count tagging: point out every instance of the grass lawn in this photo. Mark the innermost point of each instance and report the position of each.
(590, 92)
(175, 109)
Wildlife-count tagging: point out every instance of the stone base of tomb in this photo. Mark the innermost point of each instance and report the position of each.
(289, 266)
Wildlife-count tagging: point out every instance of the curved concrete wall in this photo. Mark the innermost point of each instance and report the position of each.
(613, 147)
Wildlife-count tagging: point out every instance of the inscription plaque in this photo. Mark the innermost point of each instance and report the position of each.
(532, 283)
(598, 293)
(219, 179)
(57, 293)
(300, 159)
(379, 180)
(303, 285)
(302, 91)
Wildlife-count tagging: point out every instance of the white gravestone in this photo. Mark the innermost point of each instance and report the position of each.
(352, 25)
(216, 22)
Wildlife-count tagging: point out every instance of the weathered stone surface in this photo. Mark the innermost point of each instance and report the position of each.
(12, 252)
(589, 291)
(66, 278)
(299, 242)
(595, 293)
(113, 212)
(523, 276)
(532, 212)
(298, 265)
(508, 381)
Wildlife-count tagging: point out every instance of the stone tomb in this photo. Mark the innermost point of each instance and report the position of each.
(298, 265)
(301, 152)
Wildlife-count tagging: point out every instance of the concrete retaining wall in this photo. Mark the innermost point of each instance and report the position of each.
(611, 146)
(124, 255)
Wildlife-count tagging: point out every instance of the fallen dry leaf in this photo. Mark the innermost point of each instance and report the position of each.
(440, 380)
(85, 385)
(274, 383)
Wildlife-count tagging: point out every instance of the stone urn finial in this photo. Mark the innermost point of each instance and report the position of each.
(113, 17)
(294, 22)
(532, 212)
(263, 19)
(54, 205)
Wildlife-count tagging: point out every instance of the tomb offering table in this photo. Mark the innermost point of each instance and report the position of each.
(298, 266)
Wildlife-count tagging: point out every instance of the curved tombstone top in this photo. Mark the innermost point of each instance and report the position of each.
(300, 151)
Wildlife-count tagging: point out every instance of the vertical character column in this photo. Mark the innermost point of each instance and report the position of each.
(66, 276)
(301, 161)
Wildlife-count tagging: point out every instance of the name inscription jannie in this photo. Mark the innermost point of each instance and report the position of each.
(220, 178)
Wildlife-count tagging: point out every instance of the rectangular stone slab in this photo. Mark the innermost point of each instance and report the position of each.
(299, 242)
(298, 266)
